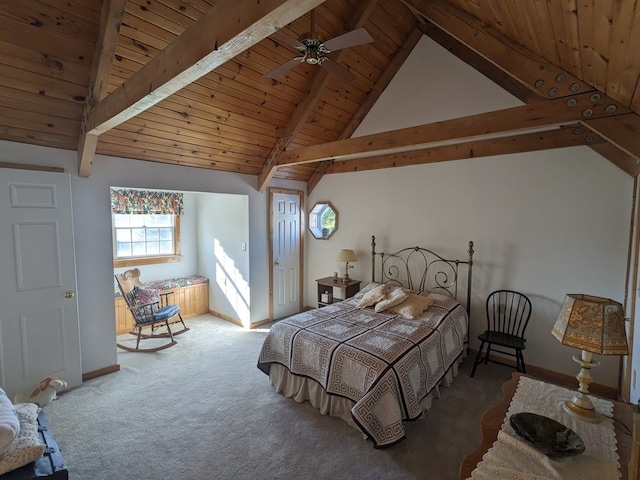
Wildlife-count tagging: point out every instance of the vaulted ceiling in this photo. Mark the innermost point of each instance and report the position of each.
(184, 81)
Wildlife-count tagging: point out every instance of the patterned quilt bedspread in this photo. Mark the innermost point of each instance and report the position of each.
(386, 364)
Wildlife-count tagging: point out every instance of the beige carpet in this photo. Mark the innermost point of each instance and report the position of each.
(203, 410)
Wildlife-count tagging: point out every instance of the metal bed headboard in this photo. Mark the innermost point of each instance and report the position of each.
(422, 270)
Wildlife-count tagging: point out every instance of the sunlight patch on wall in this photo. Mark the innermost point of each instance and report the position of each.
(231, 282)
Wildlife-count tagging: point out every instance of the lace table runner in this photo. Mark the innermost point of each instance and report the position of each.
(512, 458)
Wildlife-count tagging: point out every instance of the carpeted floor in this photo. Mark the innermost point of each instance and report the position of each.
(202, 410)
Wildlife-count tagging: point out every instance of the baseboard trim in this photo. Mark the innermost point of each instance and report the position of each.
(555, 377)
(257, 324)
(226, 317)
(100, 372)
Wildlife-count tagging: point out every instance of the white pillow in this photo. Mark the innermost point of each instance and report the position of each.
(373, 296)
(27, 447)
(412, 307)
(393, 297)
(9, 422)
(368, 287)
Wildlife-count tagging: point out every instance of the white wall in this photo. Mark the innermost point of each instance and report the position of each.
(431, 86)
(546, 223)
(223, 252)
(92, 226)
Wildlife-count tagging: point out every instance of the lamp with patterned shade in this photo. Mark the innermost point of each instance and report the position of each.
(594, 325)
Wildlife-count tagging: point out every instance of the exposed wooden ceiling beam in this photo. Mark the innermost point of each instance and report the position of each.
(370, 100)
(619, 158)
(569, 136)
(310, 100)
(523, 65)
(516, 120)
(110, 20)
(621, 130)
(227, 29)
(30, 166)
(473, 41)
(514, 86)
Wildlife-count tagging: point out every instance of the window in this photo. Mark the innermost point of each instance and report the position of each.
(146, 226)
(145, 239)
(323, 220)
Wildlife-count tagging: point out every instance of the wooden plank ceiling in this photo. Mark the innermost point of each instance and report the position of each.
(183, 81)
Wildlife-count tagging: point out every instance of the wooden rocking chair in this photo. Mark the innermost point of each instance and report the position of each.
(151, 312)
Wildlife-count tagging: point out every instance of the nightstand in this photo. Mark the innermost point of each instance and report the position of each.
(344, 290)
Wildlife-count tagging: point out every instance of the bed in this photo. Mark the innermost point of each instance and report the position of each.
(378, 366)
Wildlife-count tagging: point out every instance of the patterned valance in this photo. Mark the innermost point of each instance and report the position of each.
(146, 202)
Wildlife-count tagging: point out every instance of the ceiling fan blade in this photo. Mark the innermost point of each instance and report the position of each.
(284, 39)
(336, 70)
(276, 72)
(355, 37)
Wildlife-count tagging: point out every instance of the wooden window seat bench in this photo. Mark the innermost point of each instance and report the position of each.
(190, 293)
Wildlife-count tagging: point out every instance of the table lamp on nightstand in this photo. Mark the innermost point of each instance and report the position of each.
(594, 325)
(347, 256)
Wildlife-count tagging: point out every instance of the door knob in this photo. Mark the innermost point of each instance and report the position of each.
(276, 263)
(69, 294)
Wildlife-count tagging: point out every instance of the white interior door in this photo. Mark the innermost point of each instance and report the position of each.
(286, 247)
(39, 331)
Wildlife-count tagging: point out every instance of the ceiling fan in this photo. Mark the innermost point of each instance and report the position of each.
(314, 50)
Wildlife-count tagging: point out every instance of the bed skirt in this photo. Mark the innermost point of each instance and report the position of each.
(303, 388)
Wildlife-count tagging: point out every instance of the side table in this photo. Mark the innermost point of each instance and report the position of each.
(492, 419)
(345, 290)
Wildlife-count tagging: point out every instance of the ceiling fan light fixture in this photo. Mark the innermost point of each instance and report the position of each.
(313, 58)
(313, 50)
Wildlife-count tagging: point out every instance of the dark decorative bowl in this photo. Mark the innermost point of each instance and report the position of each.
(546, 435)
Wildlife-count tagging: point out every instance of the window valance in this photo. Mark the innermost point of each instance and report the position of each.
(146, 202)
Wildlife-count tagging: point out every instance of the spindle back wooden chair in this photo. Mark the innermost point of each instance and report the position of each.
(508, 314)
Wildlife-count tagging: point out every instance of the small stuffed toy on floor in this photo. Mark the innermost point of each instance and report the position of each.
(44, 394)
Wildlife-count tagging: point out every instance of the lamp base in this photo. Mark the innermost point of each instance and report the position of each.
(346, 278)
(581, 406)
(586, 414)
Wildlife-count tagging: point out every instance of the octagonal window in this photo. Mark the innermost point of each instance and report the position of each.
(323, 220)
